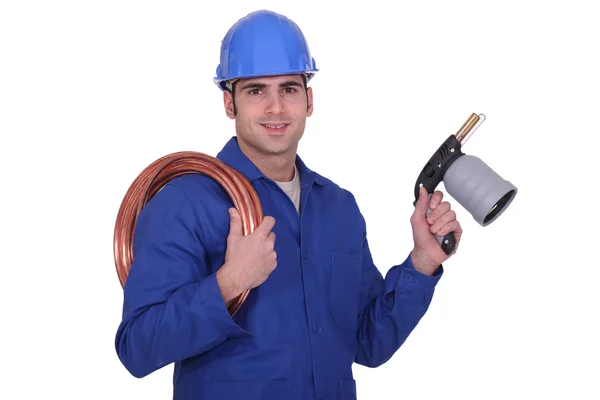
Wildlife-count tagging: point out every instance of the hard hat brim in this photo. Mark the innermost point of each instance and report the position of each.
(220, 82)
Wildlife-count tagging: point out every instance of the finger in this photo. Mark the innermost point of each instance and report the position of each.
(436, 199)
(273, 260)
(271, 237)
(235, 223)
(440, 210)
(444, 219)
(445, 228)
(266, 225)
(457, 229)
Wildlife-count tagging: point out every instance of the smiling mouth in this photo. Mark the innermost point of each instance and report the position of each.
(275, 126)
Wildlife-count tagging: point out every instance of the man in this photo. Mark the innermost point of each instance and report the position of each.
(317, 304)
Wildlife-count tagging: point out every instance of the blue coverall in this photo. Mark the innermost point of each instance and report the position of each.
(325, 305)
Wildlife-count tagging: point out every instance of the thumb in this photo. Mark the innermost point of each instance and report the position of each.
(418, 219)
(235, 223)
(266, 225)
(422, 202)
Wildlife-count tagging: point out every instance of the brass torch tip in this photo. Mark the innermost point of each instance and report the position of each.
(464, 130)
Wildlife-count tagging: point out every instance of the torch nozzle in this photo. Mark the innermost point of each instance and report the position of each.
(470, 125)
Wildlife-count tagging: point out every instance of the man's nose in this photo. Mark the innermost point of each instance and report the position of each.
(274, 103)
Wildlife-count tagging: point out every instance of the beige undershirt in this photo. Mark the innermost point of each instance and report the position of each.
(292, 188)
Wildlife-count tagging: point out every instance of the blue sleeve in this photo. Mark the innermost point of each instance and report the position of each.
(390, 308)
(173, 308)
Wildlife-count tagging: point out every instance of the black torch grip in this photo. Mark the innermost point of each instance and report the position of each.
(447, 242)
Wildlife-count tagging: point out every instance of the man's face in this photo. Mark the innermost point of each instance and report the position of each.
(271, 113)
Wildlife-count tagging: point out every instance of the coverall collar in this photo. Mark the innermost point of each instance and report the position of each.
(233, 156)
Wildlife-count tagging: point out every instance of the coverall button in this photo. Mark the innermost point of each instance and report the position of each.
(408, 277)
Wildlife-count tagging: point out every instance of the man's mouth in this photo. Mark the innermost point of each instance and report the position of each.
(275, 126)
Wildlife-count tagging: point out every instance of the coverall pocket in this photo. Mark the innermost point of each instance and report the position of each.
(345, 289)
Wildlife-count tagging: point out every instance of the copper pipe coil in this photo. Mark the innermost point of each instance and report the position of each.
(158, 174)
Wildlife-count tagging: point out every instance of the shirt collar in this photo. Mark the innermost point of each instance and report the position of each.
(232, 155)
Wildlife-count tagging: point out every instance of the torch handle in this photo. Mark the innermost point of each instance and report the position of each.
(448, 241)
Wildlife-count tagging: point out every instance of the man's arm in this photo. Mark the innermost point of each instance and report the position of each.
(390, 308)
(173, 307)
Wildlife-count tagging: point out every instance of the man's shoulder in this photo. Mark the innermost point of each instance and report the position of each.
(196, 189)
(196, 183)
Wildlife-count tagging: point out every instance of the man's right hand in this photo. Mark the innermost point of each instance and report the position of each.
(249, 260)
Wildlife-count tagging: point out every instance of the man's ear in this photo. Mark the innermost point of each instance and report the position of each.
(309, 95)
(228, 103)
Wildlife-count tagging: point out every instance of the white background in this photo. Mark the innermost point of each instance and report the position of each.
(92, 92)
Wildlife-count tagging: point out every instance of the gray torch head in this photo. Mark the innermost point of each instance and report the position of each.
(480, 190)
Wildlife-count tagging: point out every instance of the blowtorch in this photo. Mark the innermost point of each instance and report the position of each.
(474, 185)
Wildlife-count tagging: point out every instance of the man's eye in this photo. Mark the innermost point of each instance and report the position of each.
(254, 91)
(290, 90)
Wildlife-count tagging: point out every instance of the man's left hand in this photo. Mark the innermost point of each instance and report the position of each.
(427, 254)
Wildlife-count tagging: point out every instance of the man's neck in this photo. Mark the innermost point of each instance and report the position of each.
(283, 172)
(278, 167)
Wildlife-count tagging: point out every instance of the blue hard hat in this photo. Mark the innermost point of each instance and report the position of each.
(264, 43)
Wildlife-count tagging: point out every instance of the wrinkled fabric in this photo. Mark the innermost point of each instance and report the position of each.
(324, 307)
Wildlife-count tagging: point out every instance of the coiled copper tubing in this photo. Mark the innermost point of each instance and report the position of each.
(158, 174)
